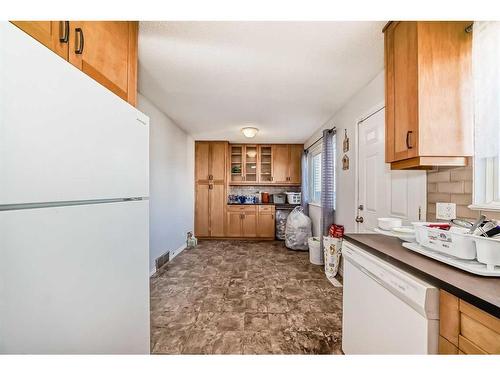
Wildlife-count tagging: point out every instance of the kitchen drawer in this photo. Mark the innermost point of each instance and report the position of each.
(468, 347)
(483, 337)
(263, 209)
(241, 208)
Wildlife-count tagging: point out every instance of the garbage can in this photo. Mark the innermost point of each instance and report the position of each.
(315, 253)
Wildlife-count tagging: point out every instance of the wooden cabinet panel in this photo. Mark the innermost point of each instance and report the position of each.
(446, 347)
(52, 34)
(233, 226)
(445, 84)
(266, 225)
(405, 90)
(466, 329)
(218, 152)
(295, 164)
(482, 336)
(217, 197)
(202, 161)
(428, 94)
(107, 52)
(468, 347)
(281, 156)
(449, 308)
(249, 224)
(201, 217)
(210, 175)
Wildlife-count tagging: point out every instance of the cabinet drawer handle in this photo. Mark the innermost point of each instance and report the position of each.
(64, 31)
(79, 32)
(408, 143)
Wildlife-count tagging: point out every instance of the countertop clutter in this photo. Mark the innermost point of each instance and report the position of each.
(483, 292)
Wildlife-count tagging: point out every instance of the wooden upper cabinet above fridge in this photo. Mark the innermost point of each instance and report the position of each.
(107, 52)
(428, 94)
(104, 50)
(52, 34)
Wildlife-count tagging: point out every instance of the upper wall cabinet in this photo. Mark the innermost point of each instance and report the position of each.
(265, 164)
(104, 50)
(428, 94)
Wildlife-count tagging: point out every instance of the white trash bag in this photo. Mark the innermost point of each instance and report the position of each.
(298, 230)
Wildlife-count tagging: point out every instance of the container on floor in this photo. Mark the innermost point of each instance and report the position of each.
(315, 254)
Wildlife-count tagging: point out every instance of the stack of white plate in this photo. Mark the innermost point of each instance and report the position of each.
(393, 227)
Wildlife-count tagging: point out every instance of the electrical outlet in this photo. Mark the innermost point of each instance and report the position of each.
(446, 211)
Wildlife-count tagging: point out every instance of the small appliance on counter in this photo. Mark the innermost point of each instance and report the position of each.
(279, 198)
(264, 197)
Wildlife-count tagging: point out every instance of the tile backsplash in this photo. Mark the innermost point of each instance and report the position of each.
(453, 185)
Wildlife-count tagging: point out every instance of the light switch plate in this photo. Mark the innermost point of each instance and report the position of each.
(446, 211)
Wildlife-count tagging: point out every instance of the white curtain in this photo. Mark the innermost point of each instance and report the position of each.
(486, 73)
(486, 76)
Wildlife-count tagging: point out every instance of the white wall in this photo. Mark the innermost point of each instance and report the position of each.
(171, 209)
(361, 104)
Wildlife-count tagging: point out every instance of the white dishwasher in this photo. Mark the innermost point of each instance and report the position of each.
(386, 310)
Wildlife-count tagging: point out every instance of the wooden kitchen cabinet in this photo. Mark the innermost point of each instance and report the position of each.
(250, 221)
(466, 329)
(107, 52)
(52, 34)
(428, 94)
(287, 164)
(104, 50)
(266, 222)
(210, 189)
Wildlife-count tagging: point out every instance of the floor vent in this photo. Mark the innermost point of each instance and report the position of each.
(162, 260)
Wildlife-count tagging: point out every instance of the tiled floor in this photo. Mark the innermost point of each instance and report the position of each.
(240, 297)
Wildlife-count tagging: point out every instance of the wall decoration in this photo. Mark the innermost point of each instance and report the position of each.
(346, 141)
(345, 163)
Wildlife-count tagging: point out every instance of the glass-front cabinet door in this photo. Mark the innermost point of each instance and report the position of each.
(265, 163)
(236, 163)
(250, 167)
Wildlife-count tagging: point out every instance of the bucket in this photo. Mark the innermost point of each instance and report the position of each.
(315, 254)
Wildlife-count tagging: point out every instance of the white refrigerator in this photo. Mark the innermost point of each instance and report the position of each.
(74, 208)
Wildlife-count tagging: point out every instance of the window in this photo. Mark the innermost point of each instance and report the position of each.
(316, 178)
(486, 75)
(314, 161)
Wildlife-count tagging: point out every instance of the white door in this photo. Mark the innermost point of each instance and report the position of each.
(382, 192)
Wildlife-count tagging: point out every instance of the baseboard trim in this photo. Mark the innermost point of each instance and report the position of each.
(176, 252)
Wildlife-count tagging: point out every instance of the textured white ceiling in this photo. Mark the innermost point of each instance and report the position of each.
(286, 78)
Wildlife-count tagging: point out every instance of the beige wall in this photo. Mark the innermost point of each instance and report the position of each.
(452, 185)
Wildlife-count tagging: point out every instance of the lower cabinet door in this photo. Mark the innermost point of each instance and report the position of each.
(233, 228)
(249, 224)
(265, 225)
(217, 209)
(201, 215)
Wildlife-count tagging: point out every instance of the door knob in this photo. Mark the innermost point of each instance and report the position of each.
(359, 219)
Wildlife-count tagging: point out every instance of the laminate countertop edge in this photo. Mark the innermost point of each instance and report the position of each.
(390, 250)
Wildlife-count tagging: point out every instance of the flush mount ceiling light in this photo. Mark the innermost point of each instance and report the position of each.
(249, 132)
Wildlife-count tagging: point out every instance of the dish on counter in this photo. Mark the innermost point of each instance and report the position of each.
(387, 223)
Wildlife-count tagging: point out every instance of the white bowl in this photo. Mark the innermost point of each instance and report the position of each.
(488, 251)
(387, 223)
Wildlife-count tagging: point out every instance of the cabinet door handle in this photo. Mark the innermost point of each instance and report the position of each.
(64, 31)
(272, 216)
(408, 143)
(210, 187)
(80, 39)
(210, 177)
(272, 178)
